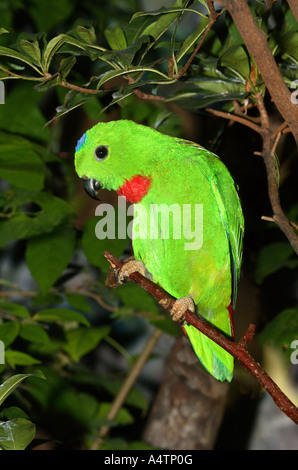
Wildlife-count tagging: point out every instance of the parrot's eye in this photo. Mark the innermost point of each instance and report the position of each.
(101, 152)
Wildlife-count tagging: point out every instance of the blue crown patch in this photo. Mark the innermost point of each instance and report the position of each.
(81, 142)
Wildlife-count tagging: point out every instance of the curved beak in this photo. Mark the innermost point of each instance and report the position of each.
(91, 187)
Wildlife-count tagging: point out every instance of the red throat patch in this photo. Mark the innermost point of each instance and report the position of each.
(135, 189)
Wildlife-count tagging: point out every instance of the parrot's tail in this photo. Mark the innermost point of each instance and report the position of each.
(214, 358)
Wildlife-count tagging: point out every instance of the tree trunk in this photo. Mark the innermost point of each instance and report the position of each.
(189, 407)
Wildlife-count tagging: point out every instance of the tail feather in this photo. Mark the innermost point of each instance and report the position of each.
(213, 357)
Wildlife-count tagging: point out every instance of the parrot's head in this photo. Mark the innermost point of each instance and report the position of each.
(120, 155)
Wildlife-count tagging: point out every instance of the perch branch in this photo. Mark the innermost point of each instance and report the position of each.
(238, 350)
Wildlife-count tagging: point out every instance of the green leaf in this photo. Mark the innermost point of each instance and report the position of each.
(55, 249)
(14, 309)
(52, 47)
(79, 302)
(289, 44)
(236, 59)
(135, 397)
(73, 99)
(8, 332)
(60, 315)
(46, 348)
(32, 49)
(87, 34)
(193, 38)
(12, 412)
(81, 341)
(49, 13)
(19, 358)
(122, 445)
(272, 258)
(127, 55)
(133, 296)
(80, 407)
(193, 100)
(117, 73)
(34, 333)
(47, 83)
(116, 38)
(20, 164)
(94, 248)
(13, 121)
(167, 17)
(123, 417)
(7, 387)
(217, 85)
(7, 52)
(282, 330)
(53, 212)
(66, 65)
(16, 434)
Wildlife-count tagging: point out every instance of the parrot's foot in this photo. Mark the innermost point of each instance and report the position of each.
(131, 267)
(180, 306)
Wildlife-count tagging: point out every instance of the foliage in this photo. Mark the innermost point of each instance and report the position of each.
(16, 431)
(56, 312)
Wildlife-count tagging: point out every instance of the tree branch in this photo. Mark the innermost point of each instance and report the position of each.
(127, 385)
(238, 350)
(71, 86)
(236, 118)
(273, 190)
(257, 45)
(213, 17)
(140, 94)
(294, 7)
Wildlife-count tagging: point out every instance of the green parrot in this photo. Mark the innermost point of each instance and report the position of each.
(188, 224)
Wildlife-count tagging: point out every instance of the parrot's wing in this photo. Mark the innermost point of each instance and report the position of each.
(225, 192)
(216, 360)
(232, 217)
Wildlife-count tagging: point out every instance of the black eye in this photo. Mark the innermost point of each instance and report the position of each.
(101, 152)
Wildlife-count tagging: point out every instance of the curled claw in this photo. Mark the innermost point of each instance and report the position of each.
(131, 267)
(180, 306)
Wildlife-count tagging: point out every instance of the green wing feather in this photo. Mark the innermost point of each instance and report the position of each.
(232, 217)
(215, 359)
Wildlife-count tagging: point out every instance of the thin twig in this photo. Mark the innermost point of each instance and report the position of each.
(281, 129)
(90, 91)
(140, 94)
(97, 297)
(236, 118)
(71, 86)
(271, 219)
(213, 17)
(273, 190)
(238, 350)
(127, 386)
